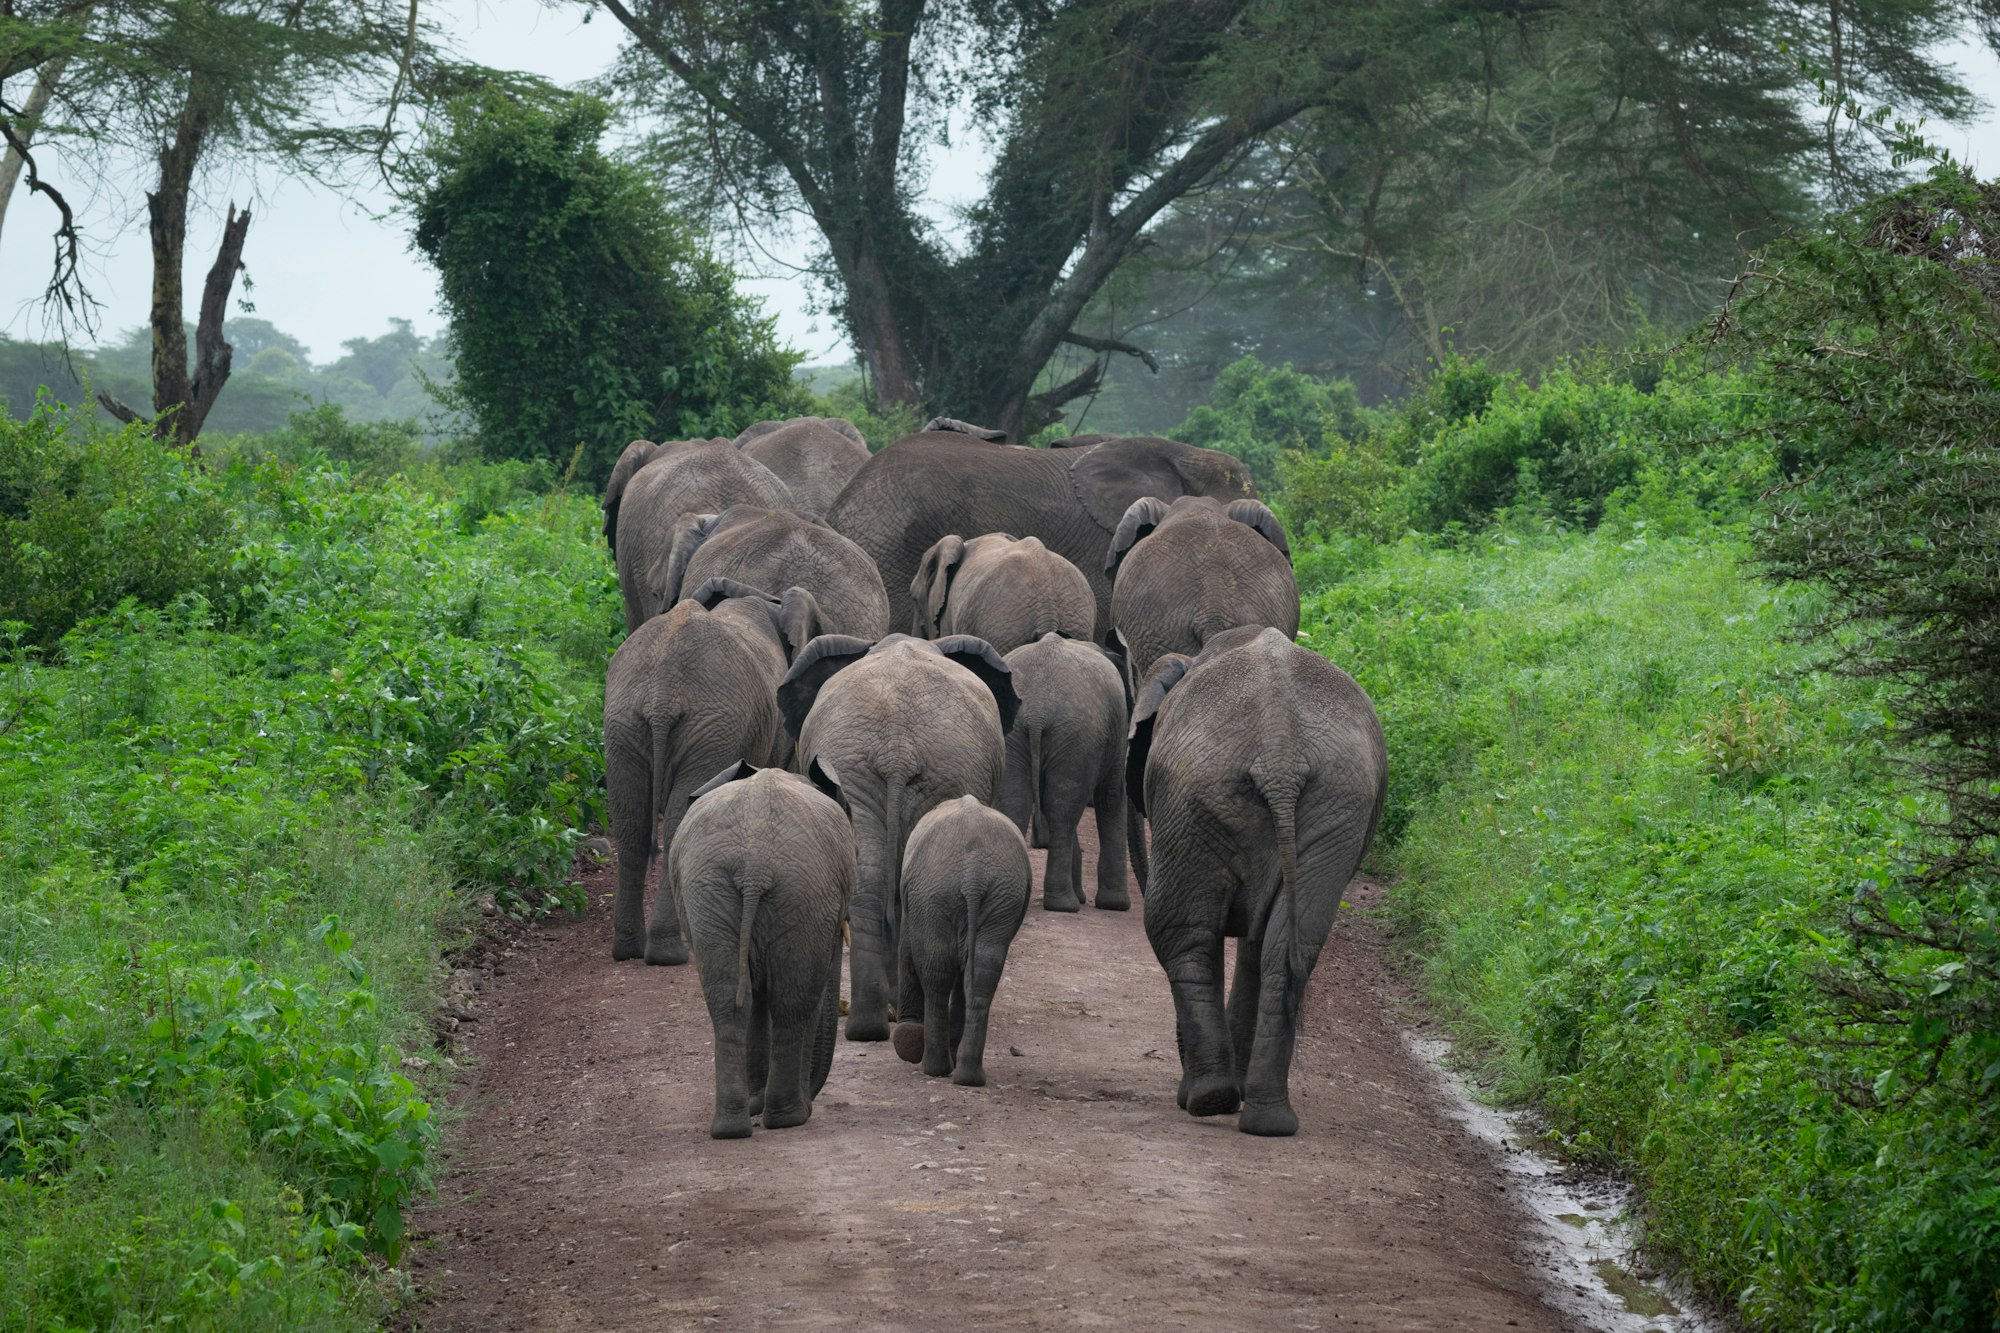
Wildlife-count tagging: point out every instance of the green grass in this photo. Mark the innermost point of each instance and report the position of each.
(1623, 865)
(237, 827)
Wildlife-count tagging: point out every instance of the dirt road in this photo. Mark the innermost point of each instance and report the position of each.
(584, 1192)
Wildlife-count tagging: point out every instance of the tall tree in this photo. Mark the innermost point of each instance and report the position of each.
(1105, 113)
(310, 87)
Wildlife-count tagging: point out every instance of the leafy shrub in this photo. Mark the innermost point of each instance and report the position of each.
(1257, 412)
(89, 517)
(583, 309)
(325, 434)
(1637, 943)
(396, 704)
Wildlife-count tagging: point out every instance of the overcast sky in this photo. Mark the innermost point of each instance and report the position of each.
(325, 269)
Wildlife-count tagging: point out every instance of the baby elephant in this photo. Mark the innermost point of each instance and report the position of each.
(1066, 752)
(965, 892)
(763, 867)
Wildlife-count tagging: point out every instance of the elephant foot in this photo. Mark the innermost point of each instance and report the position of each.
(729, 1127)
(625, 947)
(659, 954)
(1271, 1122)
(909, 1042)
(1180, 1093)
(1053, 903)
(1213, 1096)
(1038, 837)
(787, 1117)
(867, 1027)
(969, 1076)
(1110, 901)
(756, 1105)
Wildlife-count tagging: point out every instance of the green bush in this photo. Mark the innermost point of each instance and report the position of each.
(583, 309)
(90, 517)
(1625, 869)
(234, 839)
(1257, 412)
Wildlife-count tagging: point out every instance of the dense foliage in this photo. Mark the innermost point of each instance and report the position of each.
(1878, 339)
(237, 823)
(584, 311)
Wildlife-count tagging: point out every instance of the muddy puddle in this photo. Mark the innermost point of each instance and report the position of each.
(1586, 1244)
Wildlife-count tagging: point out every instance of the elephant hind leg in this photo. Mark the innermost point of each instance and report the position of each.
(666, 927)
(790, 1004)
(1113, 893)
(628, 771)
(1267, 1064)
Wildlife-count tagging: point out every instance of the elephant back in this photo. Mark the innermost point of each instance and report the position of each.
(812, 457)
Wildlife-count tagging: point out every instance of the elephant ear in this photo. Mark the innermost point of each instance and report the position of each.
(758, 432)
(822, 659)
(828, 781)
(797, 615)
(736, 772)
(1079, 441)
(977, 656)
(691, 532)
(1253, 513)
(714, 592)
(637, 454)
(957, 427)
(1114, 653)
(845, 427)
(1145, 514)
(930, 589)
(1166, 674)
(1109, 477)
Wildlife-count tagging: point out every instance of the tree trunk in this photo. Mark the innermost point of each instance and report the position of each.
(876, 333)
(181, 401)
(11, 161)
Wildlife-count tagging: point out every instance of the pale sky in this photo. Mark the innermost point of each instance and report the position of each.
(326, 269)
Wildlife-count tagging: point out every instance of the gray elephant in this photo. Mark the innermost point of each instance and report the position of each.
(907, 725)
(774, 548)
(1067, 751)
(813, 456)
(1187, 571)
(688, 477)
(934, 483)
(688, 693)
(1003, 589)
(965, 891)
(765, 865)
(1262, 767)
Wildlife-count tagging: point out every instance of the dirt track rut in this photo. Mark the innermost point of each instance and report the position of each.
(584, 1193)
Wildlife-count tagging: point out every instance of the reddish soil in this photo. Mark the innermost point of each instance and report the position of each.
(583, 1191)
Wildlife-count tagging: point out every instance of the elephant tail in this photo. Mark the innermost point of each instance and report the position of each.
(1283, 799)
(892, 905)
(753, 882)
(1036, 818)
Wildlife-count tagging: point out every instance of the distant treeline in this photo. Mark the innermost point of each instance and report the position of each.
(386, 378)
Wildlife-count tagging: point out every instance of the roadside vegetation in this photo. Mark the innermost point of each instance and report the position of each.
(268, 728)
(1686, 680)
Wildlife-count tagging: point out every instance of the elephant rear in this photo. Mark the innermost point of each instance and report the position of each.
(764, 866)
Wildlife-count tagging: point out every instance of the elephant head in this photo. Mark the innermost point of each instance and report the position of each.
(1148, 513)
(637, 454)
(1109, 476)
(828, 654)
(794, 616)
(1166, 673)
(932, 584)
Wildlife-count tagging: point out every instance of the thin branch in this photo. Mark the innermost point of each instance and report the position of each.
(1089, 343)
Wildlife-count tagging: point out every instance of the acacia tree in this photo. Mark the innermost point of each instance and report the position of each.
(197, 86)
(1105, 113)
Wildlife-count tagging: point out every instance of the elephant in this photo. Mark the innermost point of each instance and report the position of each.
(934, 483)
(764, 866)
(1066, 751)
(907, 724)
(1262, 767)
(686, 694)
(1186, 571)
(689, 477)
(1003, 589)
(636, 455)
(773, 548)
(813, 456)
(965, 892)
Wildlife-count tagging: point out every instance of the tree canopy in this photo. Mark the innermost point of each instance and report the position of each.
(582, 308)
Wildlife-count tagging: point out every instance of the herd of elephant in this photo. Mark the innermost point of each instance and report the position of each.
(1105, 625)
